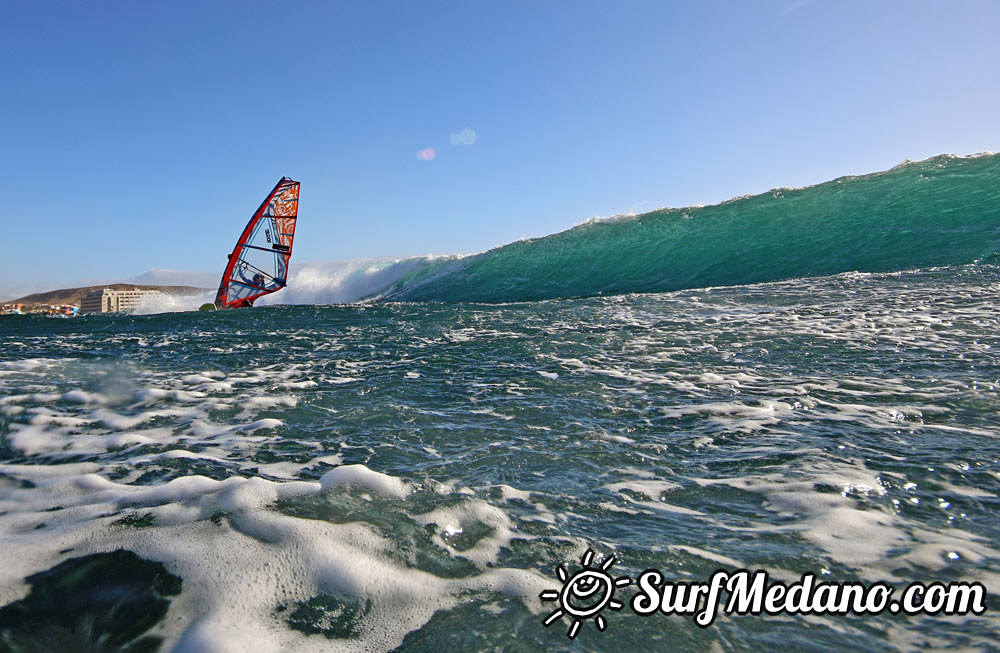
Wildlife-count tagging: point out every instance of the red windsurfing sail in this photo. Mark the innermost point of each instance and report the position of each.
(258, 265)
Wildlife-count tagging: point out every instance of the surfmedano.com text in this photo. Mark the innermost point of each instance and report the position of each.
(751, 593)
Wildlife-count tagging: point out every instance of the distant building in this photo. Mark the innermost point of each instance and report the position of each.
(113, 301)
(51, 309)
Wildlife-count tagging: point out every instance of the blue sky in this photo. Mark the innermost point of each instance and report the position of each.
(140, 136)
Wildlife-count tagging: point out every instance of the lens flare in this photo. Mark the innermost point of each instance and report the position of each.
(427, 154)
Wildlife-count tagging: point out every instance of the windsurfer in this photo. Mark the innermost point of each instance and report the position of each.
(249, 274)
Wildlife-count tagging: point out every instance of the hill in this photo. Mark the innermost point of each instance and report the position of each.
(74, 295)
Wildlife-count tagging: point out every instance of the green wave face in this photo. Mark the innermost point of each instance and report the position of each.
(941, 211)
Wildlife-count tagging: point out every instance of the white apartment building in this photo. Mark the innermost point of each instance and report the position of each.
(113, 301)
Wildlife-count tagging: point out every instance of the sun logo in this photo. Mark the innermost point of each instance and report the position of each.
(585, 593)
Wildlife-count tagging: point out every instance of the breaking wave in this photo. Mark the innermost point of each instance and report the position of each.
(941, 211)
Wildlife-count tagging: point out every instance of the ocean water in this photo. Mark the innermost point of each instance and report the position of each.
(410, 474)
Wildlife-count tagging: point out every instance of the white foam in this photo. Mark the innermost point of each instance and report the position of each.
(83, 397)
(456, 519)
(34, 440)
(654, 490)
(709, 555)
(862, 539)
(267, 423)
(271, 401)
(239, 570)
(510, 493)
(361, 475)
(341, 282)
(160, 302)
(618, 439)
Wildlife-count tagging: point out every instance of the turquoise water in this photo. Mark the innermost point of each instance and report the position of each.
(941, 211)
(408, 475)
